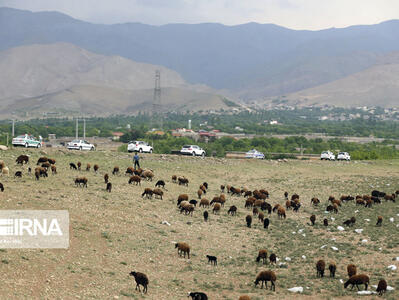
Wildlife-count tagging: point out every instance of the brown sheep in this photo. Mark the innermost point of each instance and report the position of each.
(294, 196)
(182, 197)
(336, 201)
(249, 202)
(148, 175)
(5, 171)
(276, 207)
(106, 177)
(261, 217)
(390, 197)
(320, 267)
(81, 180)
(356, 280)
(158, 192)
(174, 178)
(52, 161)
(129, 170)
(335, 208)
(183, 248)
(148, 193)
(96, 167)
(115, 171)
(332, 268)
(232, 210)
(109, 187)
(379, 221)
(313, 219)
(187, 208)
(286, 195)
(247, 194)
(360, 201)
(41, 160)
(369, 203)
(281, 212)
(199, 193)
(222, 187)
(244, 297)
(79, 165)
(382, 287)
(266, 276)
(315, 201)
(203, 188)
(183, 181)
(141, 279)
(53, 169)
(135, 179)
(255, 211)
(88, 166)
(39, 172)
(204, 202)
(262, 255)
(351, 269)
(216, 208)
(248, 219)
(273, 258)
(46, 165)
(287, 204)
(22, 159)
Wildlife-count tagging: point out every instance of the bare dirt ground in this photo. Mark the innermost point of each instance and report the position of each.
(114, 233)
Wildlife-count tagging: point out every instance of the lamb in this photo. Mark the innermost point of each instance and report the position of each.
(88, 166)
(41, 160)
(160, 183)
(183, 181)
(148, 193)
(22, 159)
(212, 259)
(325, 222)
(72, 166)
(266, 223)
(183, 248)
(232, 210)
(193, 202)
(79, 165)
(351, 269)
(96, 167)
(320, 266)
(109, 187)
(115, 171)
(266, 276)
(216, 208)
(197, 296)
(158, 192)
(332, 267)
(18, 174)
(287, 204)
(379, 221)
(382, 287)
(248, 219)
(81, 180)
(141, 279)
(135, 179)
(53, 169)
(106, 177)
(205, 216)
(204, 202)
(262, 255)
(1, 187)
(281, 212)
(273, 258)
(356, 280)
(286, 195)
(312, 219)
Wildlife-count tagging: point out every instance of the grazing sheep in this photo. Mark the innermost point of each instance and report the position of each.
(193, 202)
(332, 267)
(148, 175)
(141, 279)
(212, 259)
(183, 181)
(138, 172)
(360, 201)
(336, 201)
(287, 204)
(160, 183)
(115, 171)
(199, 193)
(205, 184)
(158, 193)
(244, 297)
(40, 172)
(351, 269)
(315, 201)
(88, 166)
(81, 180)
(266, 223)
(276, 207)
(232, 210)
(235, 191)
(286, 195)
(135, 179)
(255, 211)
(29, 170)
(106, 177)
(264, 277)
(379, 221)
(197, 296)
(295, 196)
(325, 222)
(390, 197)
(347, 222)
(220, 200)
(273, 258)
(203, 188)
(129, 170)
(320, 266)
(51, 161)
(109, 187)
(382, 287)
(313, 219)
(369, 203)
(72, 166)
(1, 187)
(182, 197)
(281, 212)
(18, 174)
(187, 208)
(248, 219)
(96, 167)
(329, 208)
(148, 193)
(249, 202)
(262, 255)
(53, 169)
(205, 216)
(204, 203)
(41, 160)
(79, 165)
(356, 280)
(261, 217)
(216, 208)
(45, 165)
(22, 159)
(174, 178)
(5, 171)
(266, 206)
(335, 208)
(222, 187)
(247, 194)
(183, 248)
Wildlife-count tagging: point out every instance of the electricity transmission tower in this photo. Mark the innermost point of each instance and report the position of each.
(156, 102)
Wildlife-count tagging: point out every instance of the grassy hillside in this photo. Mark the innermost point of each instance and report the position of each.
(113, 234)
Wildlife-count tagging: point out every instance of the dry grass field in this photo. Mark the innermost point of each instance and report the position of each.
(114, 233)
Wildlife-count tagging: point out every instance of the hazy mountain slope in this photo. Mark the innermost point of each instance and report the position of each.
(252, 60)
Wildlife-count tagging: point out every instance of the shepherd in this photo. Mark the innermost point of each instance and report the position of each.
(136, 159)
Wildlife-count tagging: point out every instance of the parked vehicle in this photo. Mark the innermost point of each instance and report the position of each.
(139, 146)
(193, 150)
(327, 155)
(26, 141)
(80, 145)
(343, 156)
(254, 154)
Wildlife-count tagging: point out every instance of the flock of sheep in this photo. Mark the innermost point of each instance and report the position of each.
(255, 200)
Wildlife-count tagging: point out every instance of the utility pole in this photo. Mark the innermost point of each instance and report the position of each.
(13, 128)
(84, 129)
(77, 128)
(156, 104)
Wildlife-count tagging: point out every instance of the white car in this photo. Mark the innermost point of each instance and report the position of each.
(193, 150)
(80, 145)
(327, 155)
(139, 146)
(26, 141)
(254, 154)
(343, 156)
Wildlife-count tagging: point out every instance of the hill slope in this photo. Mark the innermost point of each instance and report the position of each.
(252, 60)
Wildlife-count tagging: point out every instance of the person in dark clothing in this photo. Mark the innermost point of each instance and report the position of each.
(136, 159)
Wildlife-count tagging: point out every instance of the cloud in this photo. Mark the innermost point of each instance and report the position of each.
(296, 14)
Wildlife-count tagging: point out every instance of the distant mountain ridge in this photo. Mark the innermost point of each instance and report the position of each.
(251, 61)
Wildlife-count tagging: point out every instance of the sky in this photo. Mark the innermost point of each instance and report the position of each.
(294, 14)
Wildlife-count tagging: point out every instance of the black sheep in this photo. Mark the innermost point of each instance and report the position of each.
(248, 219)
(266, 223)
(197, 296)
(141, 279)
(109, 187)
(325, 222)
(160, 183)
(212, 259)
(18, 174)
(72, 166)
(193, 202)
(205, 216)
(1, 187)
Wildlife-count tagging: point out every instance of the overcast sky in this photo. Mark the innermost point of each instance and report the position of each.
(295, 14)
